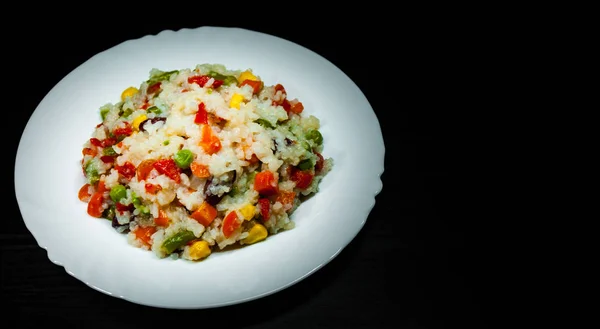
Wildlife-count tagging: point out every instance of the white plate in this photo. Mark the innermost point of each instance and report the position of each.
(48, 173)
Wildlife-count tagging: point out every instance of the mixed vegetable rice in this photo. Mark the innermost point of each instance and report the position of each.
(195, 160)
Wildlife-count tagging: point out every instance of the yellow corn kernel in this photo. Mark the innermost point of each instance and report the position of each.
(199, 250)
(248, 211)
(247, 75)
(136, 122)
(236, 99)
(257, 233)
(128, 92)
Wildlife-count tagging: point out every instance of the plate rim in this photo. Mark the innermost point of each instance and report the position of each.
(376, 184)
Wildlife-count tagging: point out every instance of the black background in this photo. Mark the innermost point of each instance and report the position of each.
(414, 263)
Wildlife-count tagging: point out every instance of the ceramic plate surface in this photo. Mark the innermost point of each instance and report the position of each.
(48, 173)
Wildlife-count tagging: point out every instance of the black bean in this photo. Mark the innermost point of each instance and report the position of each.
(153, 120)
(115, 223)
(213, 199)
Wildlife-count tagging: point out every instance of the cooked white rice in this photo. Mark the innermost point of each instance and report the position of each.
(195, 160)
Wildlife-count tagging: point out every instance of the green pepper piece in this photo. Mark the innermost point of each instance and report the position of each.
(216, 75)
(137, 203)
(109, 151)
(109, 213)
(305, 164)
(154, 109)
(103, 113)
(177, 240)
(91, 172)
(305, 145)
(183, 158)
(136, 200)
(234, 191)
(315, 135)
(264, 123)
(143, 209)
(227, 79)
(161, 77)
(104, 109)
(118, 192)
(127, 112)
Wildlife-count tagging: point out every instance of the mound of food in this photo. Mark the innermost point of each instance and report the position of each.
(195, 160)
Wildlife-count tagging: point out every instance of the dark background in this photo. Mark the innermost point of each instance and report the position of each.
(415, 264)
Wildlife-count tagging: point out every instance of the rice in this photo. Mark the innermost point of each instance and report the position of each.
(195, 160)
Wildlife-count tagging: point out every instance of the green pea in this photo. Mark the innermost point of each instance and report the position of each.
(183, 158)
(166, 142)
(315, 135)
(305, 164)
(118, 192)
(177, 240)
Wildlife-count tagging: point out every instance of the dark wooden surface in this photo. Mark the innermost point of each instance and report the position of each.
(413, 265)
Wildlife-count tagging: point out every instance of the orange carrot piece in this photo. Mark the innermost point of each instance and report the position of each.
(297, 108)
(199, 170)
(256, 85)
(89, 151)
(144, 168)
(94, 207)
(209, 142)
(285, 197)
(144, 234)
(265, 183)
(162, 219)
(101, 187)
(230, 224)
(205, 214)
(84, 193)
